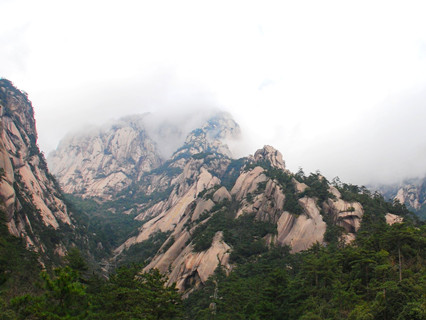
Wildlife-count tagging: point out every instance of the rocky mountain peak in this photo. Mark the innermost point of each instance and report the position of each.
(105, 160)
(410, 195)
(270, 155)
(410, 192)
(212, 136)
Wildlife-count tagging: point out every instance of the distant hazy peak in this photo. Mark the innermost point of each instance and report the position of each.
(212, 136)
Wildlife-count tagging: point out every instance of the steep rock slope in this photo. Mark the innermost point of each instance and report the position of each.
(210, 219)
(411, 192)
(201, 209)
(30, 196)
(104, 161)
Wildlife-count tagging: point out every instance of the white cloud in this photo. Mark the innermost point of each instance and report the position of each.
(315, 79)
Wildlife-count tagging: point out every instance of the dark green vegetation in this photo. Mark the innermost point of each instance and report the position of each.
(107, 229)
(381, 276)
(245, 233)
(17, 265)
(72, 292)
(143, 252)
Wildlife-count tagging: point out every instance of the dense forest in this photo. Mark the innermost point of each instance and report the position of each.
(381, 275)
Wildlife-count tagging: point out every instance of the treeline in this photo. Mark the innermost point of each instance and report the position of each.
(381, 276)
(72, 292)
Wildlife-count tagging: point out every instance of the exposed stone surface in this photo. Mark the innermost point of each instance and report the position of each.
(104, 161)
(411, 196)
(267, 204)
(270, 155)
(393, 218)
(255, 192)
(248, 182)
(221, 194)
(192, 268)
(411, 192)
(29, 195)
(211, 137)
(301, 232)
(300, 187)
(346, 214)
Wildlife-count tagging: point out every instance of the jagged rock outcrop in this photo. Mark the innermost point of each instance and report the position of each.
(411, 193)
(105, 161)
(211, 137)
(189, 268)
(270, 155)
(393, 218)
(347, 215)
(301, 232)
(102, 162)
(182, 199)
(198, 195)
(198, 173)
(29, 195)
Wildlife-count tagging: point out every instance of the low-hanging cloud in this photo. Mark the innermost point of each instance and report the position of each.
(329, 92)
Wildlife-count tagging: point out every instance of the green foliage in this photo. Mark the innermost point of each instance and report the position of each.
(317, 187)
(208, 193)
(109, 229)
(232, 173)
(285, 181)
(142, 253)
(131, 295)
(352, 282)
(201, 155)
(65, 294)
(166, 169)
(243, 234)
(17, 265)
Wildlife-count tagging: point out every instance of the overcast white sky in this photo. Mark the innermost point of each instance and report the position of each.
(338, 86)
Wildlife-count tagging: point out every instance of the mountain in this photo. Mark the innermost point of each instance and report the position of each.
(410, 192)
(103, 161)
(31, 199)
(201, 208)
(239, 238)
(220, 211)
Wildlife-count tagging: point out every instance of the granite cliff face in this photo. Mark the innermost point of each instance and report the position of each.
(411, 192)
(211, 209)
(261, 188)
(30, 197)
(104, 161)
(208, 209)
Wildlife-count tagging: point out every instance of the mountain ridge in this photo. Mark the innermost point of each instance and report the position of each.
(31, 197)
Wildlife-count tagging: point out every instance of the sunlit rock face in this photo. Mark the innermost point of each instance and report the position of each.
(393, 218)
(347, 215)
(106, 160)
(29, 195)
(198, 190)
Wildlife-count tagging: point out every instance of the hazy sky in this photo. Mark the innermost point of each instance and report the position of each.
(338, 86)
